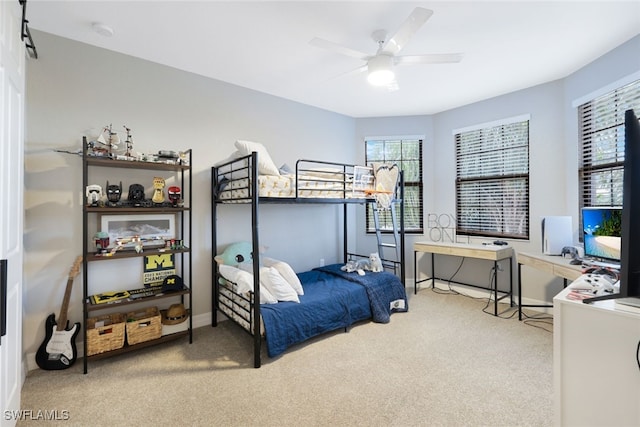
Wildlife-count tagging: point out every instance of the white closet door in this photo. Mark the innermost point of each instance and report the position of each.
(12, 84)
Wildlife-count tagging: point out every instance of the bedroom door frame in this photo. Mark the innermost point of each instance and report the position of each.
(12, 95)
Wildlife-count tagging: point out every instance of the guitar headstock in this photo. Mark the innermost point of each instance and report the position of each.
(75, 268)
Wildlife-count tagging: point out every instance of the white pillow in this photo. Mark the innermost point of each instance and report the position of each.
(244, 281)
(241, 278)
(286, 272)
(275, 283)
(233, 156)
(265, 164)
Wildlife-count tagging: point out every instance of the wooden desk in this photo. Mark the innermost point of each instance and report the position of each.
(489, 252)
(555, 265)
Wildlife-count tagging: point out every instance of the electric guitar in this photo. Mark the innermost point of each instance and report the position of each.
(58, 350)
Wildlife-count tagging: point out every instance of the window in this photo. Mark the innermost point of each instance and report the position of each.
(601, 137)
(492, 180)
(407, 154)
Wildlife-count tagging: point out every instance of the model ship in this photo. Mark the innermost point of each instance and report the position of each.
(105, 144)
(108, 142)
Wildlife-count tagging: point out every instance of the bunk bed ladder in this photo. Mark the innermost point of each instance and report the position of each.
(396, 236)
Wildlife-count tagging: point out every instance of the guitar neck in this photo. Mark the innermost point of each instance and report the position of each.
(62, 318)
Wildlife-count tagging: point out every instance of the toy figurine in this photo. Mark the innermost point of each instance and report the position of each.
(136, 194)
(175, 194)
(94, 194)
(138, 245)
(128, 142)
(114, 192)
(102, 241)
(158, 192)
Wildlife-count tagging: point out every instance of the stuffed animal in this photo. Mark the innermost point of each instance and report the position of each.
(349, 267)
(375, 262)
(235, 254)
(352, 266)
(358, 266)
(239, 254)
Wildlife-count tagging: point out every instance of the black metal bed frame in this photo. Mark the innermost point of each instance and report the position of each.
(247, 308)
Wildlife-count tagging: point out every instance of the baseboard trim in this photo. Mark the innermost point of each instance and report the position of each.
(475, 292)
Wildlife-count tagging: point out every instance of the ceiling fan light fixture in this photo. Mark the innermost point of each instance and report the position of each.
(380, 69)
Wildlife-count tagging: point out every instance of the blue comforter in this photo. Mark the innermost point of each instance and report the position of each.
(385, 291)
(332, 300)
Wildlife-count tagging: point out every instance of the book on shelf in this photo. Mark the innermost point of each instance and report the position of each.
(113, 297)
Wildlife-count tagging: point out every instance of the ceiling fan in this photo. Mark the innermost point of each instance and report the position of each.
(380, 66)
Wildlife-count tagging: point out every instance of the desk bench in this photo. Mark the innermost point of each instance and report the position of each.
(488, 252)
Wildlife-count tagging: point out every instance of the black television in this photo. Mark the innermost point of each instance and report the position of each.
(630, 241)
(601, 233)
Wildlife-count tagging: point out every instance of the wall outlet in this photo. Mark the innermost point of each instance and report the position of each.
(321, 262)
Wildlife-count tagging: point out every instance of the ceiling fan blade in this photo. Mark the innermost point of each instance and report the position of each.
(358, 70)
(417, 18)
(434, 58)
(338, 48)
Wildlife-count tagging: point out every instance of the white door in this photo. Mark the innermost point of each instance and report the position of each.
(12, 83)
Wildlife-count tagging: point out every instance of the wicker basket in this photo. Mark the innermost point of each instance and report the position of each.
(107, 336)
(143, 325)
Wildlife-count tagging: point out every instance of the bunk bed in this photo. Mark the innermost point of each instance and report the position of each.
(347, 297)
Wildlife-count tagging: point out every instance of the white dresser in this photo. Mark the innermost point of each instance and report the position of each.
(595, 357)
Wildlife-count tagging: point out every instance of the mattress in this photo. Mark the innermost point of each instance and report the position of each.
(328, 303)
(332, 300)
(309, 186)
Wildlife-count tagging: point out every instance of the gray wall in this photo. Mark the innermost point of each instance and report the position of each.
(74, 89)
(553, 158)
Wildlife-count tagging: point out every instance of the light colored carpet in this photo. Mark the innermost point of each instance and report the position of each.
(444, 363)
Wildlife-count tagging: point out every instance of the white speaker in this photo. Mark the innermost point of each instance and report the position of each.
(557, 232)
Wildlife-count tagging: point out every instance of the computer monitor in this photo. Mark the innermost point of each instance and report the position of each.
(630, 245)
(601, 232)
(630, 252)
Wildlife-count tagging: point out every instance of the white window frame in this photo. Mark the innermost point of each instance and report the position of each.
(492, 179)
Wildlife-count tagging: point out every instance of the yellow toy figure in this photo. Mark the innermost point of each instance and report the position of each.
(158, 192)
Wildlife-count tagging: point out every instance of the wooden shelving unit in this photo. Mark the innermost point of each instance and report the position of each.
(181, 173)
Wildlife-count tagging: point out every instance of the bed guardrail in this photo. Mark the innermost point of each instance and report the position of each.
(331, 180)
(236, 306)
(233, 174)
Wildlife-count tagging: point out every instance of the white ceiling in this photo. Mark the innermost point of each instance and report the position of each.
(264, 45)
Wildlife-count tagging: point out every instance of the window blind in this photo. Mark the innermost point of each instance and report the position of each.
(407, 154)
(601, 136)
(492, 181)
